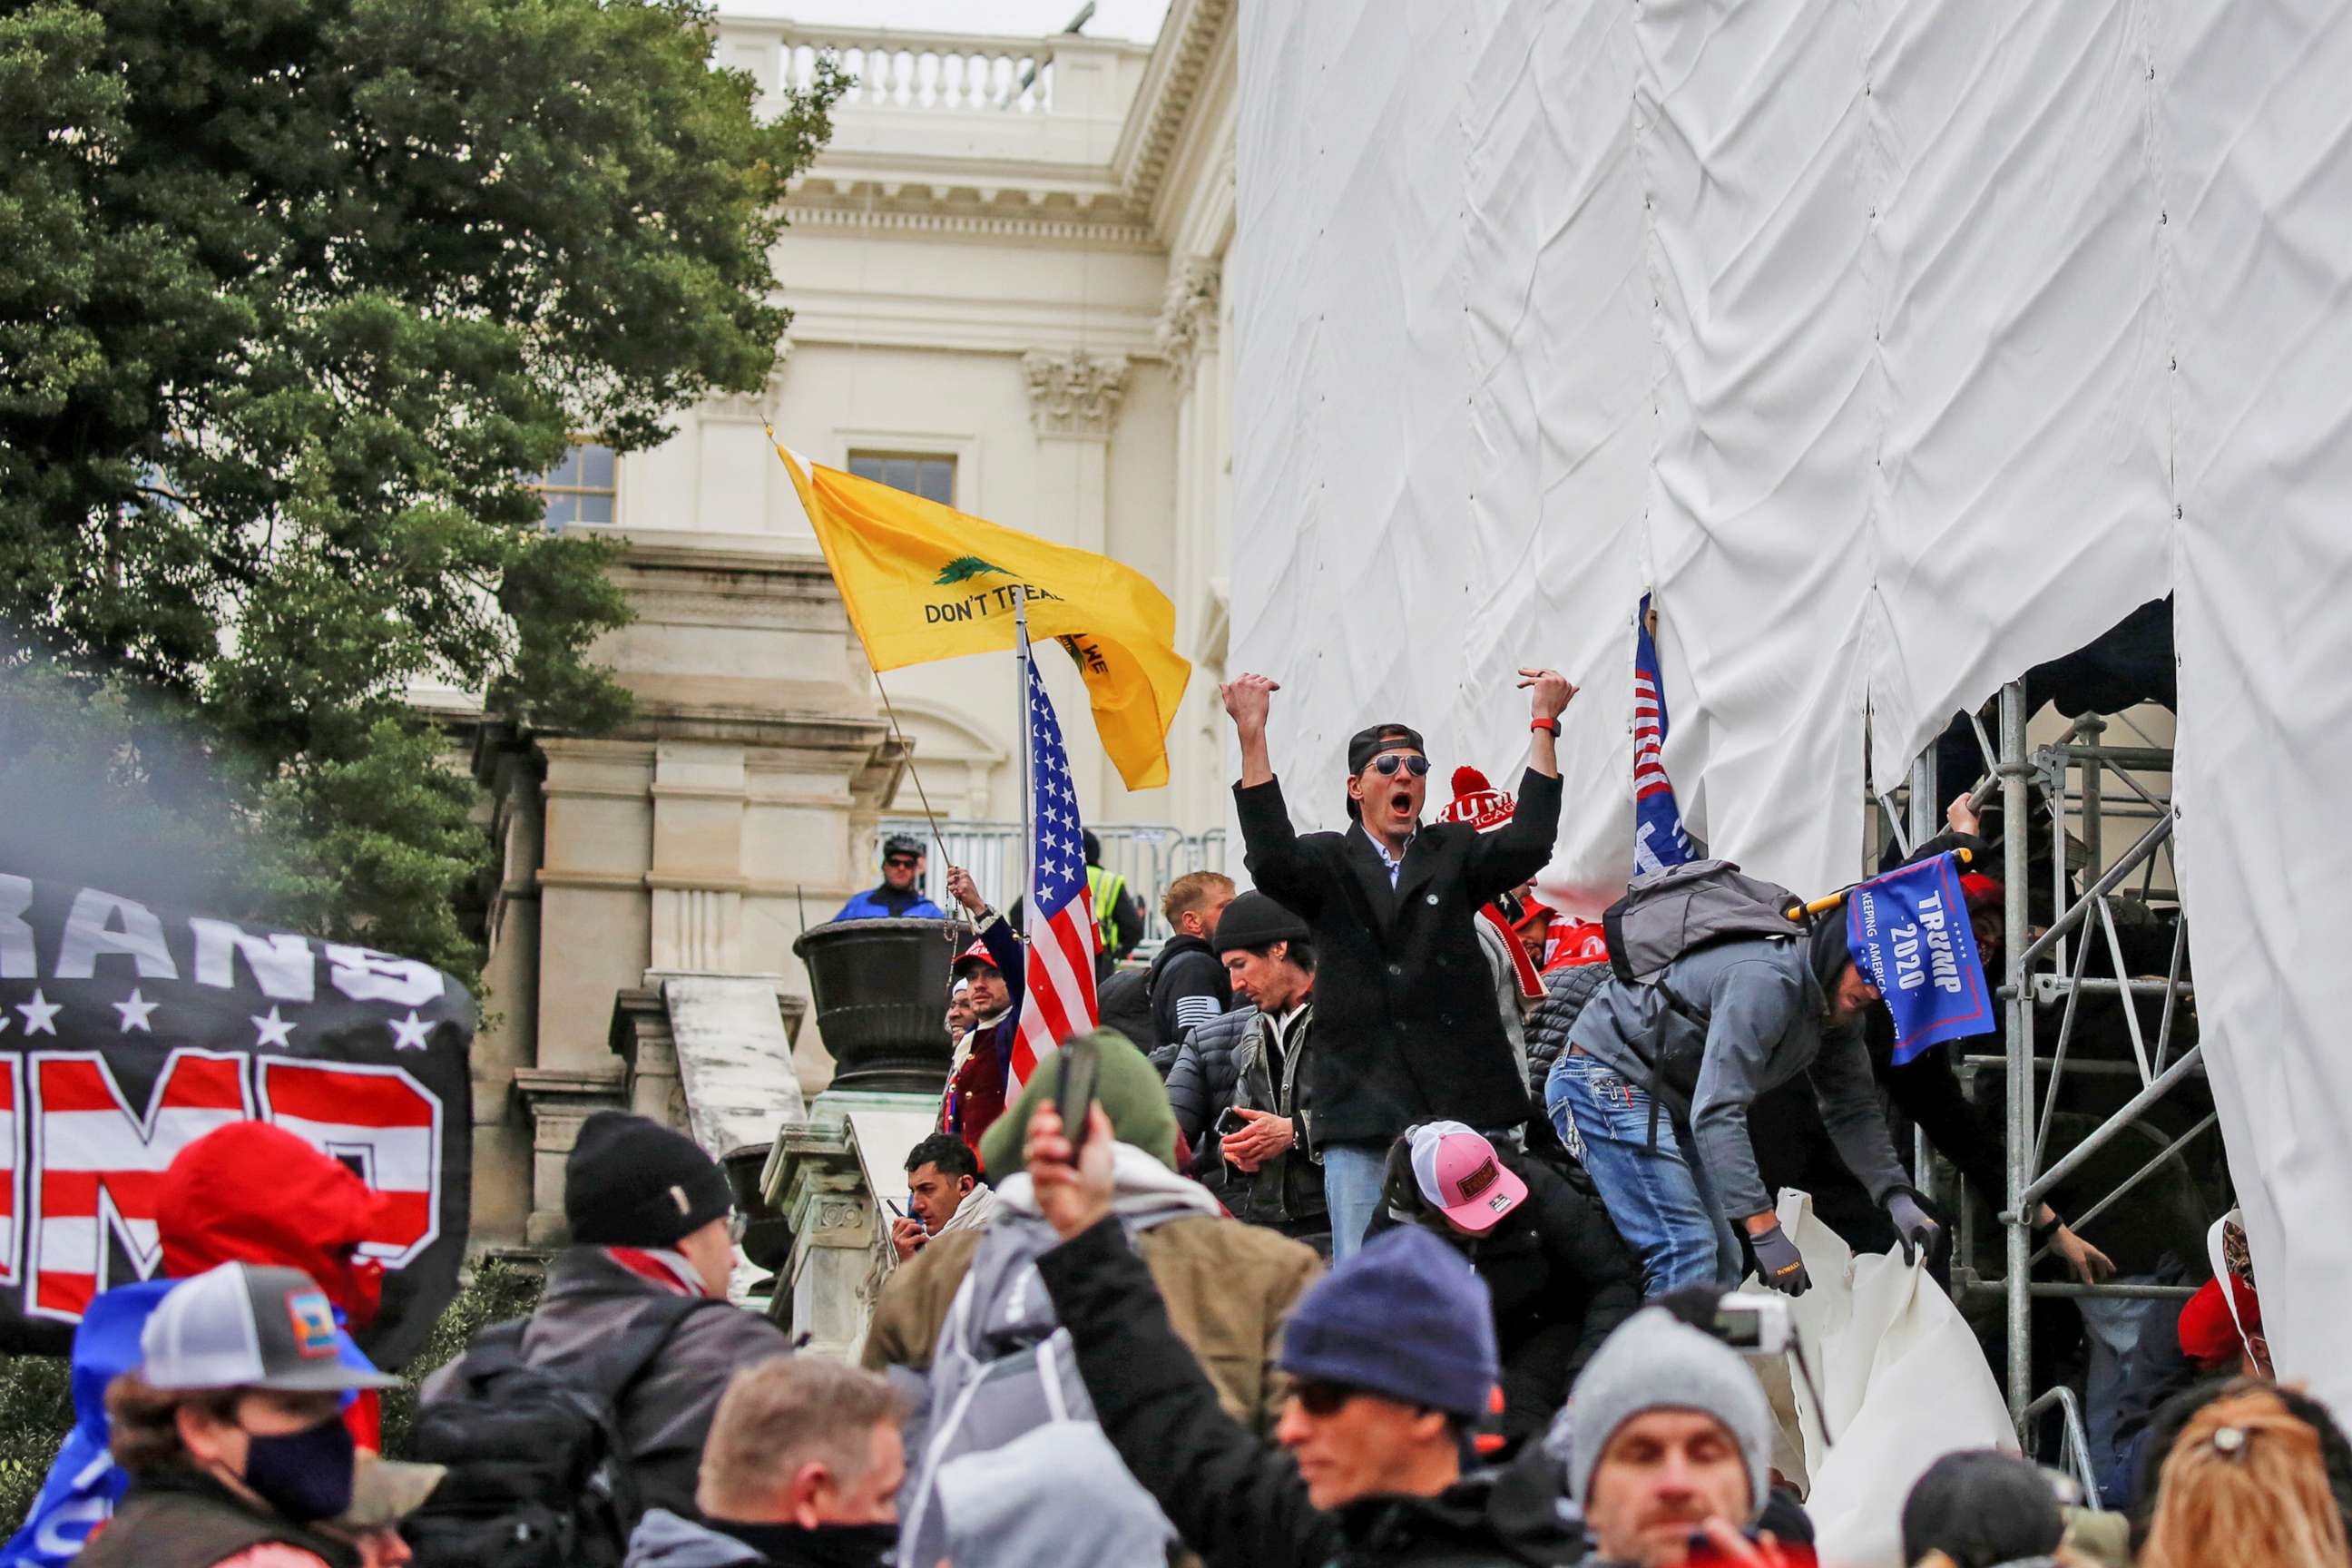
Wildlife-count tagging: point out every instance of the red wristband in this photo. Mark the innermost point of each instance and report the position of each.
(1551, 724)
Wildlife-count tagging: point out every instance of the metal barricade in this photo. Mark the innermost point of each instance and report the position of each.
(1149, 855)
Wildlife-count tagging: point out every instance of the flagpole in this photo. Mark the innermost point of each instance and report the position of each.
(907, 748)
(1028, 747)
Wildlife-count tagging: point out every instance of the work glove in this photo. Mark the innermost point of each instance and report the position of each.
(1918, 1230)
(1779, 1262)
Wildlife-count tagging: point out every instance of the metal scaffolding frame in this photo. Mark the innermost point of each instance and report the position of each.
(2065, 784)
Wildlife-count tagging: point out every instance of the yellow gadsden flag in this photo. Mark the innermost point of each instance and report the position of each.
(924, 581)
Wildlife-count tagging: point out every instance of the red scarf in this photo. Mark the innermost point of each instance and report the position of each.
(1530, 984)
(667, 1269)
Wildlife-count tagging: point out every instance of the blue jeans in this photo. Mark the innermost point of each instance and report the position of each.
(1661, 1198)
(2111, 1328)
(1351, 1191)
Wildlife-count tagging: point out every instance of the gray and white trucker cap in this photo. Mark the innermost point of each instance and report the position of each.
(250, 1326)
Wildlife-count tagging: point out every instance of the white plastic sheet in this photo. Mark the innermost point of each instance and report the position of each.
(2258, 196)
(1900, 344)
(1888, 1349)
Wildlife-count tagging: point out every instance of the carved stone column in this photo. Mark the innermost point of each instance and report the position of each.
(1188, 335)
(1074, 400)
(1188, 317)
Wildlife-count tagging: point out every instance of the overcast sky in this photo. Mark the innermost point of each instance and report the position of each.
(1112, 18)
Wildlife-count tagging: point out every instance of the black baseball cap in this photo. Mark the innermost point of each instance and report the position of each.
(1368, 743)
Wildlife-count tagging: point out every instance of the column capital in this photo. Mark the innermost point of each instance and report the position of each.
(1188, 315)
(1073, 393)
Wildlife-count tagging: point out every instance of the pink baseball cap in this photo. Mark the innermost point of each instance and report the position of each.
(1457, 1173)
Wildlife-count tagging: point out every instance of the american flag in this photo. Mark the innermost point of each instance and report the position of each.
(1659, 840)
(1060, 998)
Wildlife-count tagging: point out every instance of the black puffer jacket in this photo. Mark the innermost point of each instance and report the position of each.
(1202, 1077)
(1565, 991)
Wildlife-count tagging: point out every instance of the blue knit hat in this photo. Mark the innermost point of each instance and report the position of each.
(1406, 1317)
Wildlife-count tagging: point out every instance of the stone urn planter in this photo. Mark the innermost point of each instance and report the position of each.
(880, 989)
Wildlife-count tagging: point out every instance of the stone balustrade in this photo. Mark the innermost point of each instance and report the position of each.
(957, 97)
(899, 70)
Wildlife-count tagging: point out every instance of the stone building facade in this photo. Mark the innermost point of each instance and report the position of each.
(1006, 266)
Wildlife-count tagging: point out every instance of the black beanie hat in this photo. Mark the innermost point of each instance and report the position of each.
(630, 1182)
(1981, 1507)
(1830, 951)
(1253, 920)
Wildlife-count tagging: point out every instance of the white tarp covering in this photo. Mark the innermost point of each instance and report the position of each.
(1901, 346)
(1886, 1345)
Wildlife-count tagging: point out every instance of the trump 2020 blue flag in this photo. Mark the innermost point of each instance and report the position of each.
(1659, 840)
(1909, 932)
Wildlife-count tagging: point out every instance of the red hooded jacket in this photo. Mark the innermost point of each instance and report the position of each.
(252, 1193)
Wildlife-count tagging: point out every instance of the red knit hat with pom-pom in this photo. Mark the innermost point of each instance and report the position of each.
(1476, 802)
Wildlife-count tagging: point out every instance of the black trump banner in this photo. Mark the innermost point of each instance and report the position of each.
(127, 1033)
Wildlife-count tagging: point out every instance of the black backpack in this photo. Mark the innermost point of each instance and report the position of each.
(1123, 1003)
(538, 1475)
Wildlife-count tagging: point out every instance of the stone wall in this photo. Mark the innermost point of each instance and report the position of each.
(696, 839)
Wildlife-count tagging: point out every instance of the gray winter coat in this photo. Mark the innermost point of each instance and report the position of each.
(662, 1540)
(1761, 1019)
(665, 1413)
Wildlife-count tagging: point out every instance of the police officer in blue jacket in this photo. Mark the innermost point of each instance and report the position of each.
(901, 892)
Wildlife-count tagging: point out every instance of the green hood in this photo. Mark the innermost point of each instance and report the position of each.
(1130, 1093)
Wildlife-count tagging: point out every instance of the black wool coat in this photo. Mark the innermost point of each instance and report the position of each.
(1237, 1501)
(1405, 1022)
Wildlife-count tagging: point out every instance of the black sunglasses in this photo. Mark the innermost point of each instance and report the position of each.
(908, 860)
(1387, 764)
(1323, 1400)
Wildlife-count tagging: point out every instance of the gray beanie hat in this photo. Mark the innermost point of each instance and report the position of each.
(1655, 1361)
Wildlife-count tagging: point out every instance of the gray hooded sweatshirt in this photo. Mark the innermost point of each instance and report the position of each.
(1761, 1018)
(662, 1540)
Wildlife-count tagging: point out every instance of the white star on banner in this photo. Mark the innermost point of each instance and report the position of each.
(40, 1015)
(408, 1034)
(273, 1030)
(135, 1013)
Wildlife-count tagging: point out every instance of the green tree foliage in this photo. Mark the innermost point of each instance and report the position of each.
(35, 1413)
(295, 292)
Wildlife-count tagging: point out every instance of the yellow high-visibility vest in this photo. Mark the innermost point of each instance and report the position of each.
(1104, 888)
